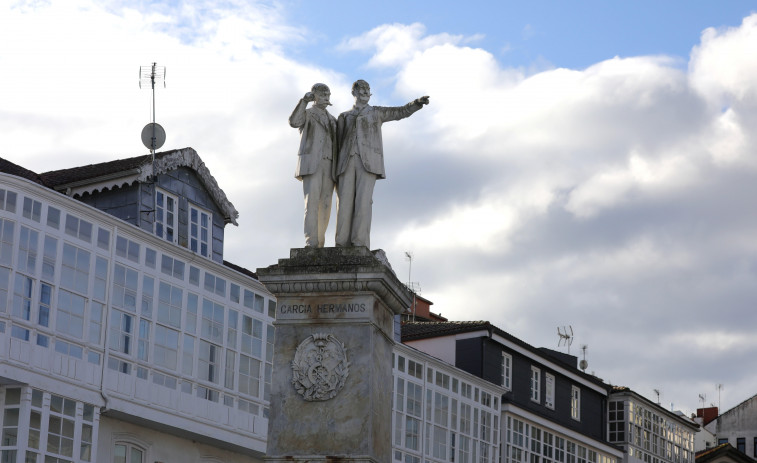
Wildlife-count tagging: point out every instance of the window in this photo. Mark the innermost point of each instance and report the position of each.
(166, 347)
(252, 336)
(741, 444)
(723, 441)
(60, 427)
(575, 403)
(216, 285)
(78, 228)
(49, 256)
(103, 239)
(535, 384)
(70, 314)
(549, 391)
(6, 241)
(187, 355)
(120, 332)
(53, 217)
(212, 321)
(165, 216)
(143, 342)
(172, 267)
(101, 278)
(27, 250)
(8, 200)
(249, 376)
(169, 304)
(127, 249)
(22, 297)
(45, 299)
(507, 365)
(125, 288)
(75, 269)
(253, 301)
(200, 237)
(4, 287)
(148, 291)
(127, 453)
(32, 209)
(209, 361)
(95, 321)
(617, 421)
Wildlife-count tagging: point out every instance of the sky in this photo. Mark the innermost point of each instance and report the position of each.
(586, 164)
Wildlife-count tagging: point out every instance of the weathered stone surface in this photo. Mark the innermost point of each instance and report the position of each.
(352, 296)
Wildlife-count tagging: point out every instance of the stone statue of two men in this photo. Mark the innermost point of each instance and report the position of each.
(347, 153)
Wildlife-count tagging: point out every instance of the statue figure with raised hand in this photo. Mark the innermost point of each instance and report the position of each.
(316, 160)
(361, 162)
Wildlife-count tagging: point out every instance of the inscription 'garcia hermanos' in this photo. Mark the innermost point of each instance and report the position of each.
(322, 308)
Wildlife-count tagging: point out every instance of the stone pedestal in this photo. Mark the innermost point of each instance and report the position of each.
(332, 374)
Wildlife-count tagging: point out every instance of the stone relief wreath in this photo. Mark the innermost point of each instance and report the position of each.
(320, 367)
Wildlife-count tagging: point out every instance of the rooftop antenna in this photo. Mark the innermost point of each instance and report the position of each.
(566, 336)
(583, 364)
(153, 135)
(719, 387)
(658, 393)
(415, 288)
(703, 398)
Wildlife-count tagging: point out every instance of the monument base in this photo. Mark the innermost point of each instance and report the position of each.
(332, 374)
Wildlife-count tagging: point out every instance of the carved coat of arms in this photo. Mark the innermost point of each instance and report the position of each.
(320, 367)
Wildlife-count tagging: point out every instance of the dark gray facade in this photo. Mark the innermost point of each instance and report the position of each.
(482, 356)
(135, 204)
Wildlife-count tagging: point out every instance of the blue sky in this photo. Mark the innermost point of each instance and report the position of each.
(590, 164)
(524, 34)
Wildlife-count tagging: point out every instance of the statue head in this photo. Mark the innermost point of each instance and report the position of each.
(361, 91)
(322, 95)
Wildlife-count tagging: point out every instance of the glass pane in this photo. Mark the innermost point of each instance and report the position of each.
(119, 454)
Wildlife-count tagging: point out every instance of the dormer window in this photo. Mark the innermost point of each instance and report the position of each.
(200, 230)
(166, 215)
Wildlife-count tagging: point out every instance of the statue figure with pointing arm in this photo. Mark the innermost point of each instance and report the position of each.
(360, 162)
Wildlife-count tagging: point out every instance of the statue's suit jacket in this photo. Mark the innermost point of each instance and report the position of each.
(366, 124)
(313, 130)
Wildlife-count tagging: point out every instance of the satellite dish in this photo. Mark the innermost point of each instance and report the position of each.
(153, 136)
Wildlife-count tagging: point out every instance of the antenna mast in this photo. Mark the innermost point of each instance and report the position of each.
(415, 288)
(153, 135)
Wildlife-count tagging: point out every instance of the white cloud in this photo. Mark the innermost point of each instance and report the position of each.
(722, 66)
(396, 44)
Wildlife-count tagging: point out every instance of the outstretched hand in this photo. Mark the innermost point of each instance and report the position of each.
(422, 100)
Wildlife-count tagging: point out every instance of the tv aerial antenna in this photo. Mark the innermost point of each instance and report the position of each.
(583, 364)
(566, 336)
(658, 393)
(153, 135)
(414, 287)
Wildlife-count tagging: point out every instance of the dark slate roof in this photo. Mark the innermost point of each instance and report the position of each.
(413, 331)
(240, 269)
(54, 178)
(14, 169)
(723, 451)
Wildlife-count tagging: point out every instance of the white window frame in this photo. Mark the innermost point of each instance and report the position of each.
(549, 392)
(575, 403)
(194, 235)
(173, 223)
(535, 384)
(507, 370)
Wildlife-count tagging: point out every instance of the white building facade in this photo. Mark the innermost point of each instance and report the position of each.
(647, 432)
(117, 345)
(442, 414)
